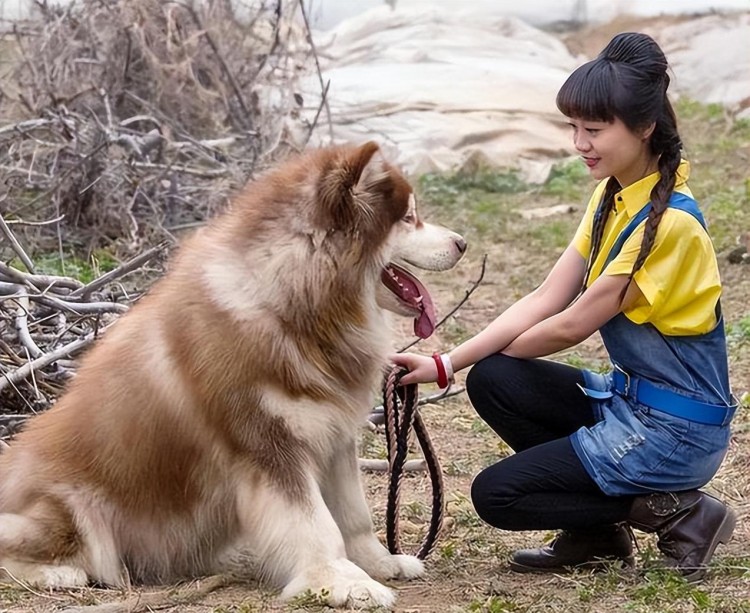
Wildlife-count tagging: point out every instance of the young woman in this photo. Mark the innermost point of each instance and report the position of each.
(594, 453)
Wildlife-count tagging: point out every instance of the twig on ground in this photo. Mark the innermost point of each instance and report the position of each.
(382, 466)
(150, 601)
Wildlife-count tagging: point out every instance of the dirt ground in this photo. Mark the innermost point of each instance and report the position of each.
(468, 569)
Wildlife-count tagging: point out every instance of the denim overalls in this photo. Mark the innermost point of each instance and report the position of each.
(664, 411)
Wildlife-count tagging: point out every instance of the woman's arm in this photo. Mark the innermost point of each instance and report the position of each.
(606, 297)
(556, 292)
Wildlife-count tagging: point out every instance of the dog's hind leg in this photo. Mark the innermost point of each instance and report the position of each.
(344, 495)
(40, 547)
(298, 546)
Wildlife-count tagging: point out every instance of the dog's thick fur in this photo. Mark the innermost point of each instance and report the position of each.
(214, 425)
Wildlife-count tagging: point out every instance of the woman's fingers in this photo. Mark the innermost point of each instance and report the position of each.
(421, 368)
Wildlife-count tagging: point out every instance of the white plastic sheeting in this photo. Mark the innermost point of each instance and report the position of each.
(446, 92)
(450, 87)
(541, 13)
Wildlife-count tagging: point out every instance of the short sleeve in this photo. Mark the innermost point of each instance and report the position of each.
(679, 279)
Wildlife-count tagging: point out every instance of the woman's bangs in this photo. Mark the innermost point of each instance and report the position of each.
(587, 93)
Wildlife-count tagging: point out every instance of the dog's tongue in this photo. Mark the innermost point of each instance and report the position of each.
(407, 287)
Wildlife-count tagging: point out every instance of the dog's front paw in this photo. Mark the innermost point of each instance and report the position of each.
(340, 584)
(369, 554)
(398, 566)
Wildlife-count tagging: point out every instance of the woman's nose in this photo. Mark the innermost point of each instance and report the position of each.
(580, 142)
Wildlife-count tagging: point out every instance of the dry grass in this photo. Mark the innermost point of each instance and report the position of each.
(468, 572)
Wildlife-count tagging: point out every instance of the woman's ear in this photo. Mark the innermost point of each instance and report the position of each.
(648, 131)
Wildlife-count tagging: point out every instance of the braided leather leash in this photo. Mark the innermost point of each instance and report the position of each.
(401, 415)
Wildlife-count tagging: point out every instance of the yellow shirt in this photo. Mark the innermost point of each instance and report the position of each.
(680, 277)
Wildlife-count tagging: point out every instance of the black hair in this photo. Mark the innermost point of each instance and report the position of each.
(628, 80)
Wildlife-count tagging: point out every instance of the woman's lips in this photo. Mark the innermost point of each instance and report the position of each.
(591, 162)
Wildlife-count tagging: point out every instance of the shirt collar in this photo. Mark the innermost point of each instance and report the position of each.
(635, 196)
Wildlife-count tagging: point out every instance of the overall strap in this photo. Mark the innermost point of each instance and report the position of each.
(677, 201)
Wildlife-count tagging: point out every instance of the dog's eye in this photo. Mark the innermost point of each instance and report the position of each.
(410, 218)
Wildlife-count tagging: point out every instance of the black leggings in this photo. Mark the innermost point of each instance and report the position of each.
(534, 405)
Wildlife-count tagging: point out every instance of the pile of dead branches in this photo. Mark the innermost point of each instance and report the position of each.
(125, 121)
(45, 321)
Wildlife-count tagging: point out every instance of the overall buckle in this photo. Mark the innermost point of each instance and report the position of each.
(621, 381)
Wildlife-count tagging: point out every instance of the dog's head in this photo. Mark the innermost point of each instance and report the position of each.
(363, 195)
(322, 237)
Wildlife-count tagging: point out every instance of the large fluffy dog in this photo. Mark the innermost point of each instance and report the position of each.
(214, 425)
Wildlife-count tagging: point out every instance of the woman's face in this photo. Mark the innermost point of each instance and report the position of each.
(612, 149)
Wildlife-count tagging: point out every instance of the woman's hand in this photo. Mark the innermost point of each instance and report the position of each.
(422, 368)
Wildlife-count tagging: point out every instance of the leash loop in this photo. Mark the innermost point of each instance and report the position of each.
(401, 416)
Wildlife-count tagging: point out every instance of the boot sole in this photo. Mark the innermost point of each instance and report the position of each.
(722, 536)
(598, 564)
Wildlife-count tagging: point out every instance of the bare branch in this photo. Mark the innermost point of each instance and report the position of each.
(323, 87)
(14, 242)
(45, 360)
(119, 272)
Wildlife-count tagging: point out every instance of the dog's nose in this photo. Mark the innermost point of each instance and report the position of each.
(460, 244)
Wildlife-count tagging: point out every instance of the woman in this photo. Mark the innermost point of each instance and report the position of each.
(594, 453)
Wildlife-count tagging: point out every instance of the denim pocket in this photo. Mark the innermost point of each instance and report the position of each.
(635, 449)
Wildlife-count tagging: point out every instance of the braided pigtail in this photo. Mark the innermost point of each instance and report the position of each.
(665, 141)
(606, 204)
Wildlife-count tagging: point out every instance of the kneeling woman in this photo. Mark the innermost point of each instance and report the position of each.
(594, 452)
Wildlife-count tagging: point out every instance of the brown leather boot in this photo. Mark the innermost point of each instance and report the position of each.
(690, 526)
(576, 549)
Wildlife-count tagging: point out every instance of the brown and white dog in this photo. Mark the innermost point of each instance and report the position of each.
(215, 424)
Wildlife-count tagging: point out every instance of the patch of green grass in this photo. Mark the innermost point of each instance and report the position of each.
(436, 185)
(662, 589)
(738, 336)
(478, 205)
(739, 330)
(492, 604)
(71, 265)
(719, 179)
(10, 594)
(734, 566)
(372, 445)
(577, 360)
(244, 607)
(687, 109)
(415, 510)
(311, 601)
(447, 551)
(463, 511)
(568, 181)
(457, 468)
(479, 426)
(554, 233)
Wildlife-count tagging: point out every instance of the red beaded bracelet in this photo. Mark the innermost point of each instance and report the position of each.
(442, 376)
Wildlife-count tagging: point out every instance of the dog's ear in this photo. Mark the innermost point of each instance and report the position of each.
(369, 167)
(346, 186)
